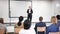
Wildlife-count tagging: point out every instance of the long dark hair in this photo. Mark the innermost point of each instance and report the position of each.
(20, 20)
(26, 24)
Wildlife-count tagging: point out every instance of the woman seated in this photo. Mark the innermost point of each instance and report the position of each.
(53, 27)
(20, 23)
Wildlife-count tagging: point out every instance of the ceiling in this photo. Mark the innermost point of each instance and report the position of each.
(31, 0)
(28, 0)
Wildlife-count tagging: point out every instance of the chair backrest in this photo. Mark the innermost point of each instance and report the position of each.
(2, 31)
(41, 29)
(54, 32)
(1, 20)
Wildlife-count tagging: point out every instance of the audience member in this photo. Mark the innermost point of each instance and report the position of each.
(40, 24)
(2, 26)
(19, 24)
(58, 20)
(53, 27)
(27, 29)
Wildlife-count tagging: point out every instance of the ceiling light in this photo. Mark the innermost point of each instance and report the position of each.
(57, 5)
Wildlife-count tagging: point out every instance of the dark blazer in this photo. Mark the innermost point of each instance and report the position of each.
(40, 24)
(28, 11)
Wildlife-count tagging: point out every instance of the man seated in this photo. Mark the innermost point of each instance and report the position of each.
(53, 27)
(27, 29)
(40, 24)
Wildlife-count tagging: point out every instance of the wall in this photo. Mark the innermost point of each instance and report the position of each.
(42, 8)
(45, 9)
(56, 7)
(54, 11)
(4, 12)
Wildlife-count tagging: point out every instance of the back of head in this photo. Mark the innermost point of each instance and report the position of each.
(20, 20)
(58, 17)
(26, 24)
(40, 18)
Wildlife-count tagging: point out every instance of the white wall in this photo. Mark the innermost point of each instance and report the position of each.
(42, 8)
(56, 7)
(4, 13)
(40, 4)
(45, 9)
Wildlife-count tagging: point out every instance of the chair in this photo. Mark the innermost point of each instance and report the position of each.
(54, 32)
(2, 31)
(1, 20)
(41, 29)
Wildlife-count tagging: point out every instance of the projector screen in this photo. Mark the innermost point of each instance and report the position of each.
(40, 8)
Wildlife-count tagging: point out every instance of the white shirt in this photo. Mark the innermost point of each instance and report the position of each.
(29, 31)
(2, 26)
(29, 11)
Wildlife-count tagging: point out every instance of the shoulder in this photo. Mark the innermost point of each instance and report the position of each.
(21, 31)
(37, 23)
(50, 26)
(44, 23)
(31, 31)
(16, 25)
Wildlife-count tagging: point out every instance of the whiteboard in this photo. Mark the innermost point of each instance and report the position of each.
(19, 8)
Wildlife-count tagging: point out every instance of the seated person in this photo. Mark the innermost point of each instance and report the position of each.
(53, 27)
(58, 20)
(2, 26)
(26, 29)
(19, 24)
(40, 24)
